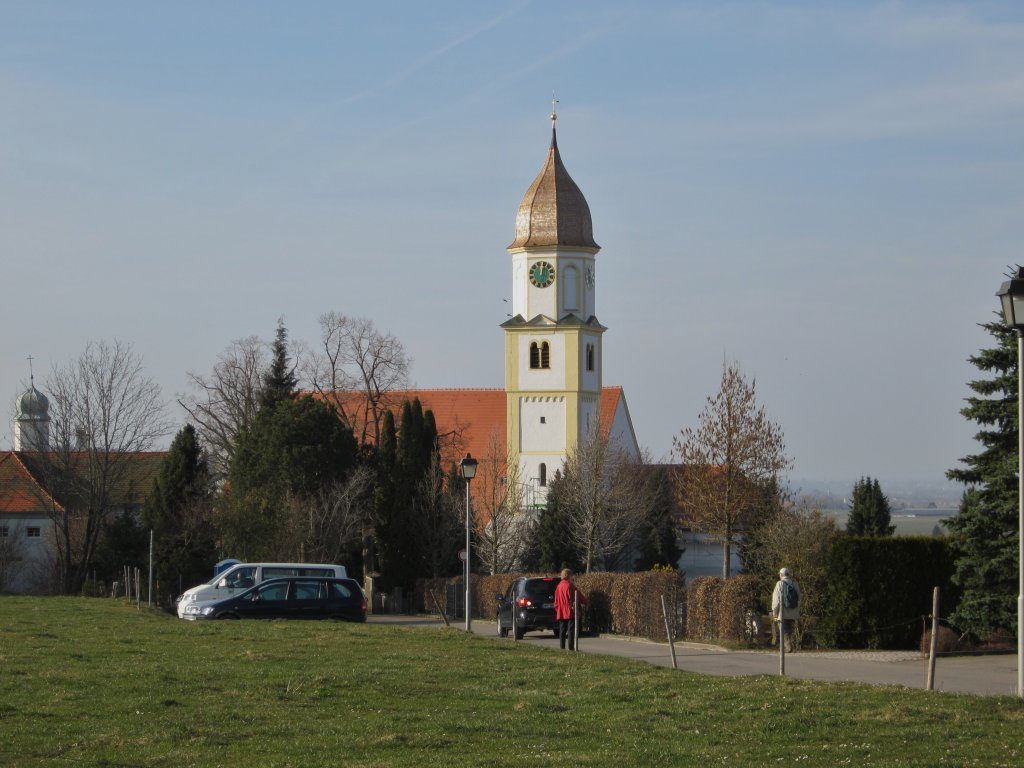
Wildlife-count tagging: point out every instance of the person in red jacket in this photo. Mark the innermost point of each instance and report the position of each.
(565, 593)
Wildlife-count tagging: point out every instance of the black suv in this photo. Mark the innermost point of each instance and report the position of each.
(528, 606)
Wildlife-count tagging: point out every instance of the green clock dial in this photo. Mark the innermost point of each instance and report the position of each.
(542, 274)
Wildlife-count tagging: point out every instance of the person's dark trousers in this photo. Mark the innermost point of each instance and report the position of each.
(566, 632)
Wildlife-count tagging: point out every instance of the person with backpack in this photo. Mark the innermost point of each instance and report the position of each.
(786, 606)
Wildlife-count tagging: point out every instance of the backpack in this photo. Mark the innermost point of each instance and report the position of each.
(790, 597)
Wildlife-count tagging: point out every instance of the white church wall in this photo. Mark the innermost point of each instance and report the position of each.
(621, 432)
(542, 424)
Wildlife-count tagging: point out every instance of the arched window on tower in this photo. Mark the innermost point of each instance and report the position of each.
(540, 355)
(543, 472)
(570, 289)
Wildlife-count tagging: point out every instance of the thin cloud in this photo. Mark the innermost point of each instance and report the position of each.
(431, 56)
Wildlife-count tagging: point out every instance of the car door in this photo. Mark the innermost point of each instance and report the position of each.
(506, 606)
(267, 601)
(308, 599)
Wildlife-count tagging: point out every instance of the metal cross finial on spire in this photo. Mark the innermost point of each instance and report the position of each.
(554, 109)
(31, 376)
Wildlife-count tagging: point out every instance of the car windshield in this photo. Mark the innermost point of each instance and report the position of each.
(539, 587)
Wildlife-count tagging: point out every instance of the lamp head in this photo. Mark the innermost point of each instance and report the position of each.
(468, 467)
(1011, 294)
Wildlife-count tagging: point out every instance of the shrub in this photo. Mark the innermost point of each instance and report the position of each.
(947, 641)
(878, 588)
(702, 600)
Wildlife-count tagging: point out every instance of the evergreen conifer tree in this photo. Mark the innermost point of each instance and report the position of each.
(870, 514)
(552, 548)
(399, 547)
(660, 542)
(178, 511)
(985, 533)
(293, 450)
(279, 383)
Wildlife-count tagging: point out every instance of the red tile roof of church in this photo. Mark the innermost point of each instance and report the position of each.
(466, 419)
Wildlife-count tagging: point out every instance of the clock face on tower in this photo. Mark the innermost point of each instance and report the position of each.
(542, 274)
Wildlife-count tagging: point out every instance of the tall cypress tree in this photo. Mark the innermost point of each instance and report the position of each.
(398, 545)
(985, 533)
(179, 513)
(384, 494)
(870, 514)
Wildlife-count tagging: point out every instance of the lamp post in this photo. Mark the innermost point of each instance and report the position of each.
(468, 467)
(1011, 294)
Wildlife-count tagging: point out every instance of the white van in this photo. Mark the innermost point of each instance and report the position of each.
(241, 576)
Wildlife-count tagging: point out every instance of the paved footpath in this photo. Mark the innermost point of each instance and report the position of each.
(987, 675)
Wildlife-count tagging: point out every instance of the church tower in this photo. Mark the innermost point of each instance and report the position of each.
(553, 340)
(32, 422)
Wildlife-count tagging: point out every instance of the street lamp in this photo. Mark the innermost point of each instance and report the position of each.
(1011, 294)
(468, 467)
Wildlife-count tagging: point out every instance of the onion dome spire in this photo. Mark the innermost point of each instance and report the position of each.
(553, 211)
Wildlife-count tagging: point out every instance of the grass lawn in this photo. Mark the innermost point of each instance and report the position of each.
(97, 682)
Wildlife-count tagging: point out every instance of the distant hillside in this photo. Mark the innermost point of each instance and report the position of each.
(902, 494)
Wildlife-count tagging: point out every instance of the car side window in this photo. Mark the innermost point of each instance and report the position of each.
(306, 590)
(340, 590)
(242, 578)
(273, 592)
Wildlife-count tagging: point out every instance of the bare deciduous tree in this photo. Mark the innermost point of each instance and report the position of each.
(437, 517)
(799, 538)
(735, 452)
(500, 523)
(228, 399)
(604, 498)
(354, 356)
(325, 527)
(104, 412)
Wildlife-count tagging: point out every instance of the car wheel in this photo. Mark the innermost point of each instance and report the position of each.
(228, 616)
(554, 631)
(502, 631)
(519, 633)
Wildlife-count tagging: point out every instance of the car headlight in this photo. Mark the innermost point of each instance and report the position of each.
(206, 610)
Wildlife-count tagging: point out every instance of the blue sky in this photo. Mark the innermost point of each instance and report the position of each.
(828, 193)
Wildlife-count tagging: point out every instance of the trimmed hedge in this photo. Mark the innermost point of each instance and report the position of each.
(702, 603)
(624, 603)
(879, 588)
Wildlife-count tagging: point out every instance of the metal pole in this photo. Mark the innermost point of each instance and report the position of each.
(782, 641)
(1020, 514)
(469, 609)
(668, 633)
(930, 680)
(149, 600)
(575, 621)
